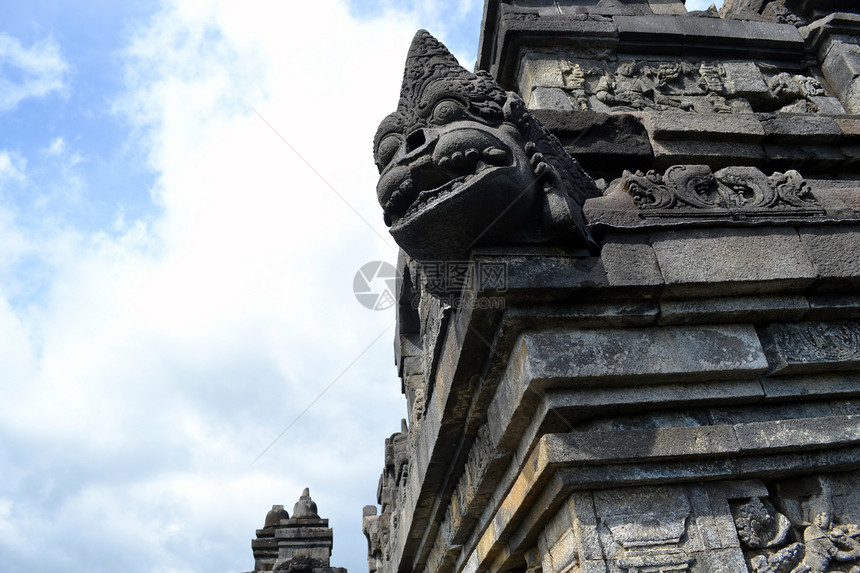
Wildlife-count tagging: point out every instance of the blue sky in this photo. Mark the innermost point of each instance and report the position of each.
(176, 281)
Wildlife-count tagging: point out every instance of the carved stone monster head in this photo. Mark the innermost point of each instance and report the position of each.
(462, 163)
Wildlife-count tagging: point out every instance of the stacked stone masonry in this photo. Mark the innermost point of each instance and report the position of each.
(301, 544)
(655, 365)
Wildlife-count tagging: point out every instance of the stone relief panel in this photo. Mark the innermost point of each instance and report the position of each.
(692, 86)
(645, 530)
(800, 525)
(697, 191)
(800, 347)
(479, 459)
(801, 529)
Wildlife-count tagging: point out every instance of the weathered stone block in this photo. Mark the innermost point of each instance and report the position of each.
(834, 252)
(799, 434)
(828, 105)
(549, 98)
(801, 128)
(579, 357)
(800, 347)
(563, 553)
(630, 260)
(744, 79)
(767, 412)
(732, 261)
(846, 408)
(821, 387)
(604, 144)
(838, 203)
(733, 309)
(539, 70)
(726, 30)
(587, 407)
(850, 127)
(831, 306)
(645, 27)
(842, 65)
(717, 154)
(808, 158)
(786, 36)
(665, 126)
(668, 7)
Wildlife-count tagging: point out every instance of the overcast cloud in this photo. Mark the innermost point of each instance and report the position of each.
(148, 360)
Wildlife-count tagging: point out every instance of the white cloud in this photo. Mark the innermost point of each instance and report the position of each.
(41, 68)
(57, 146)
(168, 354)
(13, 167)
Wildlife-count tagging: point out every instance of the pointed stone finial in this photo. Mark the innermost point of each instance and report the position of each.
(430, 69)
(305, 508)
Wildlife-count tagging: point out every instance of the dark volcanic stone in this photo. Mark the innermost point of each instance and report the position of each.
(604, 144)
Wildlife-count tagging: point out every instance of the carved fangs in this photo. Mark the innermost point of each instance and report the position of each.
(458, 167)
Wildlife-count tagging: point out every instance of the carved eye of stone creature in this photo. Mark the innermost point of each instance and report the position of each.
(446, 111)
(386, 150)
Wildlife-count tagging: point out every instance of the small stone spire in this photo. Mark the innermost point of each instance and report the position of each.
(305, 508)
(301, 544)
(274, 517)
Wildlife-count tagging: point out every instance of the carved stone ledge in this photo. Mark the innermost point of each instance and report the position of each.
(804, 347)
(698, 196)
(733, 192)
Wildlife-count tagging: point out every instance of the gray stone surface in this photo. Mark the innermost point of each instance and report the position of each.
(733, 309)
(633, 28)
(605, 144)
(817, 387)
(834, 252)
(630, 260)
(715, 153)
(703, 127)
(842, 68)
(549, 98)
(539, 70)
(744, 79)
(642, 407)
(809, 347)
(800, 128)
(583, 357)
(732, 261)
(668, 7)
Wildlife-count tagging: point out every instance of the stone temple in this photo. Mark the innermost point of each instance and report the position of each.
(629, 306)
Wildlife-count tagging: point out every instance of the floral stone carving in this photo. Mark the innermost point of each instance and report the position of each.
(695, 191)
(463, 163)
(815, 544)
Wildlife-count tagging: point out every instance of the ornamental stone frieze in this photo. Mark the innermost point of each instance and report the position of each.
(695, 190)
(553, 80)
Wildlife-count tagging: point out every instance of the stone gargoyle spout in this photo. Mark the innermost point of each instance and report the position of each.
(462, 163)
